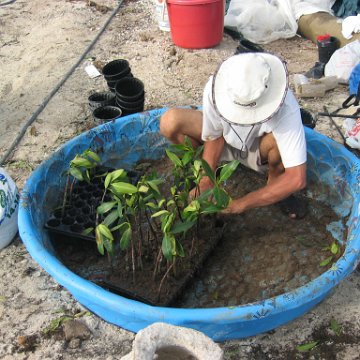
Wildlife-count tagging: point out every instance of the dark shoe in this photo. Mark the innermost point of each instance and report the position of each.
(317, 71)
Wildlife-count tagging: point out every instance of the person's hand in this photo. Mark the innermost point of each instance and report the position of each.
(204, 184)
(234, 207)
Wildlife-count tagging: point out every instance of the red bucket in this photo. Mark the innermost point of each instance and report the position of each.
(196, 24)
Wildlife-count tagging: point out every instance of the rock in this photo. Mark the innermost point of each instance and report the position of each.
(74, 343)
(169, 342)
(76, 329)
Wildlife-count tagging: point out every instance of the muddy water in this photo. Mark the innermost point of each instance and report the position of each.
(263, 253)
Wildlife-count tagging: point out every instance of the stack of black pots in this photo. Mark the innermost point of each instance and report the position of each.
(130, 95)
(116, 70)
(129, 91)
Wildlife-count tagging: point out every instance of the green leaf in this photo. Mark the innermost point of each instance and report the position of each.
(161, 203)
(94, 156)
(108, 244)
(173, 158)
(87, 231)
(221, 197)
(182, 227)
(86, 175)
(335, 327)
(205, 195)
(159, 213)
(194, 206)
(211, 209)
(170, 202)
(105, 231)
(76, 173)
(107, 180)
(118, 174)
(125, 239)
(143, 189)
(168, 246)
(111, 218)
(56, 323)
(208, 171)
(105, 207)
(188, 143)
(151, 205)
(307, 347)
(99, 240)
(186, 158)
(166, 222)
(326, 261)
(123, 188)
(154, 185)
(179, 249)
(178, 148)
(334, 248)
(79, 161)
(228, 169)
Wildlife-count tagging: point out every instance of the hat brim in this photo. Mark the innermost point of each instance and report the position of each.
(266, 106)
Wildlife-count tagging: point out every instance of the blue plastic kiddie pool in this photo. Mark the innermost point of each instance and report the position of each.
(121, 144)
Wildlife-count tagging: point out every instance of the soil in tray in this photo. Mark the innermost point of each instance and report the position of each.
(261, 254)
(116, 275)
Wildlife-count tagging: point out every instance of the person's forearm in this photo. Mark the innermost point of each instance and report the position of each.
(279, 189)
(212, 151)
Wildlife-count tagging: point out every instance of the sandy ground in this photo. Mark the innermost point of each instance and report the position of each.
(39, 43)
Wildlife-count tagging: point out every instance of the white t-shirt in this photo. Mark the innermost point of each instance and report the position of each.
(286, 126)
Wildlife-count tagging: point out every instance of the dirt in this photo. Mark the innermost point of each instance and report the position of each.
(39, 43)
(258, 259)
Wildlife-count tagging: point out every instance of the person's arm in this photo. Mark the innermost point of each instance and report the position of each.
(211, 154)
(292, 180)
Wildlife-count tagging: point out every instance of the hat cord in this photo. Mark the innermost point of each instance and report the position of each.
(244, 149)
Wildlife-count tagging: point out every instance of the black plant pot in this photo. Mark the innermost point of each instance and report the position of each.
(106, 113)
(131, 104)
(116, 69)
(111, 84)
(129, 89)
(129, 111)
(99, 99)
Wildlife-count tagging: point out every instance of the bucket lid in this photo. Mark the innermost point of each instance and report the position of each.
(192, 2)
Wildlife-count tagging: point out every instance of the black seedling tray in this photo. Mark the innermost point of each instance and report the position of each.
(80, 210)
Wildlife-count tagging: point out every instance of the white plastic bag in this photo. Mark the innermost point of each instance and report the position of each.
(9, 205)
(352, 133)
(262, 21)
(343, 61)
(305, 7)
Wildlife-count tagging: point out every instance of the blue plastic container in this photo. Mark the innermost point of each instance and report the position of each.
(135, 137)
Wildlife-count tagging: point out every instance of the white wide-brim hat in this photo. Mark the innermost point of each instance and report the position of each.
(249, 88)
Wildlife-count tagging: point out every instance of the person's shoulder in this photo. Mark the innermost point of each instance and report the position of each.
(208, 86)
(289, 107)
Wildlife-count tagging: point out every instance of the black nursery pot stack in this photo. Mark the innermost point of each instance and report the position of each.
(130, 95)
(116, 70)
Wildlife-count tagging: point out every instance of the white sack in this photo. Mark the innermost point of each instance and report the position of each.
(262, 21)
(343, 61)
